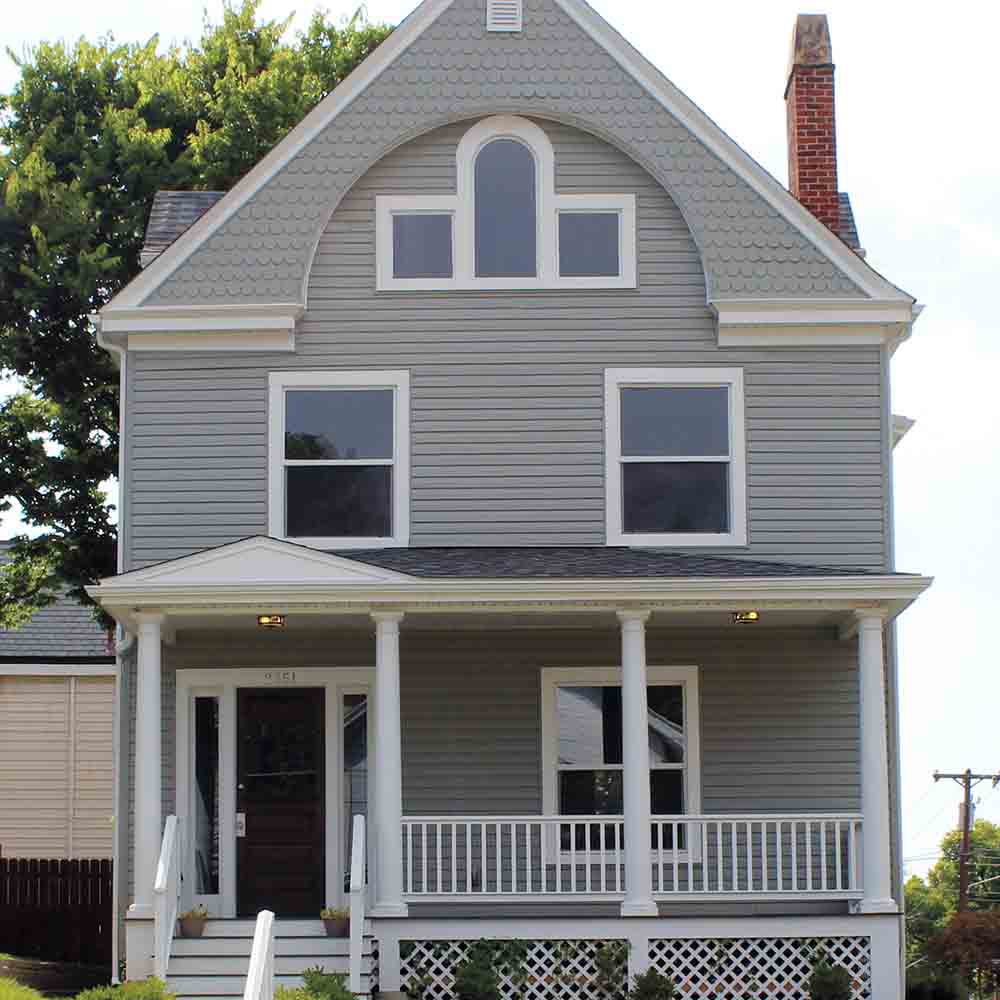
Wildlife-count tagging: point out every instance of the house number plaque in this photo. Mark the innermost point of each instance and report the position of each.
(280, 676)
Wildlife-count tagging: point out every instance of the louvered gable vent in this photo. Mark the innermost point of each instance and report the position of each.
(503, 15)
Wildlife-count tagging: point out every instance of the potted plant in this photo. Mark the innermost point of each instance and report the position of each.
(336, 920)
(193, 922)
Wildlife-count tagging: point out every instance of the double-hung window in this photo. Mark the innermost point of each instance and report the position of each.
(339, 458)
(582, 735)
(675, 456)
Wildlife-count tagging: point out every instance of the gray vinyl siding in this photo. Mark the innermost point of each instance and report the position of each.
(507, 392)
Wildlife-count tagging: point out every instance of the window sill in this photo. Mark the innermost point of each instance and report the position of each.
(732, 539)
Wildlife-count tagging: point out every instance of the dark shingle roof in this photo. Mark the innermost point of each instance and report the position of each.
(848, 227)
(173, 213)
(577, 561)
(63, 631)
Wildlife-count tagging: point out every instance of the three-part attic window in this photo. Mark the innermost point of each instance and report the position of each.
(503, 15)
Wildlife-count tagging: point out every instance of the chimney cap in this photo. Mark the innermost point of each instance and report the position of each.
(810, 42)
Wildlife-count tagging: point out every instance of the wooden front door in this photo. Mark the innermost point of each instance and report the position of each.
(280, 858)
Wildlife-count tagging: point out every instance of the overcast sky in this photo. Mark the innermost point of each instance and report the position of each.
(918, 148)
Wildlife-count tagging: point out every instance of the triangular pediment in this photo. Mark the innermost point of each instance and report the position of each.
(255, 561)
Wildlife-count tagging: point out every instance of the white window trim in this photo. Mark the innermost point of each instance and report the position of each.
(461, 206)
(732, 378)
(556, 677)
(399, 382)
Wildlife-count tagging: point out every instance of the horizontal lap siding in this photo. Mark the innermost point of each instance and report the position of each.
(507, 392)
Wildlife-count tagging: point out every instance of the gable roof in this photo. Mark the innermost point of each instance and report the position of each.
(756, 240)
(64, 631)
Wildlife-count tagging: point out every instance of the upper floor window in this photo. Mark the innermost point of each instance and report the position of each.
(675, 456)
(339, 458)
(505, 227)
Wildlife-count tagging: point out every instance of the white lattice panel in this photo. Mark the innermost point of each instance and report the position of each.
(738, 968)
(553, 970)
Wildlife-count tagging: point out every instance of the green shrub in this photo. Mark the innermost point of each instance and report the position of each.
(11, 989)
(475, 978)
(292, 993)
(830, 982)
(933, 987)
(326, 985)
(651, 985)
(134, 989)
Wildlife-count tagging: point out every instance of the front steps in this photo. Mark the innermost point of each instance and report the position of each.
(215, 965)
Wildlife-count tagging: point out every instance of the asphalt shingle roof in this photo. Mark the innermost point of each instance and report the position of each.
(173, 213)
(577, 561)
(63, 631)
(848, 227)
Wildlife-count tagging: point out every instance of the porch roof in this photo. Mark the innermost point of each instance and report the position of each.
(580, 562)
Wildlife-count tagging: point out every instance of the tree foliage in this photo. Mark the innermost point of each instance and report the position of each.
(88, 135)
(970, 945)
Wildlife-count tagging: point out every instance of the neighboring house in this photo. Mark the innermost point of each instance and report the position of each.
(509, 397)
(57, 697)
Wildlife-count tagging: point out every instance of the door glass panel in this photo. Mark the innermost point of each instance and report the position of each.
(206, 794)
(355, 770)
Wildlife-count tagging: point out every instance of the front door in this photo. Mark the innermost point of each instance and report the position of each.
(280, 858)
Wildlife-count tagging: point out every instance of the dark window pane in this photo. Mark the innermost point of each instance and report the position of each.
(505, 211)
(590, 725)
(421, 246)
(666, 724)
(666, 793)
(675, 497)
(588, 245)
(590, 793)
(206, 772)
(339, 501)
(338, 423)
(675, 420)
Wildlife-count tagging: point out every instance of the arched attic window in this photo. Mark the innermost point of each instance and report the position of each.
(506, 226)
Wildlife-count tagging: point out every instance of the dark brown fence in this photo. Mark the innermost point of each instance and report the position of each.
(56, 910)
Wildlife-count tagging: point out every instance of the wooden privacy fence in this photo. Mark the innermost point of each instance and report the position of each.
(57, 910)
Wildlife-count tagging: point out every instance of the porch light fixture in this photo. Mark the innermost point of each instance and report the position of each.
(746, 617)
(271, 621)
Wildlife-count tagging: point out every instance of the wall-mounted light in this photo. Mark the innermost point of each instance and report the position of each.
(746, 617)
(271, 621)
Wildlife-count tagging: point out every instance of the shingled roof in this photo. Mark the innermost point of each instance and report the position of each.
(172, 214)
(582, 562)
(63, 632)
(848, 227)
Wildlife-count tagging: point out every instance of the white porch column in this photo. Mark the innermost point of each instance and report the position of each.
(388, 770)
(635, 760)
(148, 778)
(874, 766)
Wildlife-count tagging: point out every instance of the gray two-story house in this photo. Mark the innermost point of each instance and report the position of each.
(506, 506)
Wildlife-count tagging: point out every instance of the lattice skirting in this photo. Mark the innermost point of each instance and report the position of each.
(739, 968)
(711, 968)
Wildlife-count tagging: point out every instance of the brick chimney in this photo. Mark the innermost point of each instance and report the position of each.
(812, 132)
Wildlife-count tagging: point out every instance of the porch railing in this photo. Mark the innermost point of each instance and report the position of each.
(580, 856)
(166, 893)
(358, 890)
(260, 973)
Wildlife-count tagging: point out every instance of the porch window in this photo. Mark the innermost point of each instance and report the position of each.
(582, 728)
(675, 457)
(339, 469)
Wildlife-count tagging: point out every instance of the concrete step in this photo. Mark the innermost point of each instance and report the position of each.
(236, 965)
(282, 928)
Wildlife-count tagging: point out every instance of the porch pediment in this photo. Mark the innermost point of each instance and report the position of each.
(256, 561)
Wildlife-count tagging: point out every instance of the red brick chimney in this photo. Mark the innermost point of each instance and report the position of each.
(812, 132)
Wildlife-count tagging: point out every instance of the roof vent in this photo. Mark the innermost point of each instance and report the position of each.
(503, 15)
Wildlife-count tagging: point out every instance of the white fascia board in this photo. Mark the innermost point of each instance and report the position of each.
(894, 593)
(344, 94)
(57, 670)
(719, 143)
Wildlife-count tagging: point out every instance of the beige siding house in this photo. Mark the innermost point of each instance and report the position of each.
(57, 691)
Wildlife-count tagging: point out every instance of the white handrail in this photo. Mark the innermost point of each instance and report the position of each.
(166, 892)
(357, 903)
(260, 975)
(763, 855)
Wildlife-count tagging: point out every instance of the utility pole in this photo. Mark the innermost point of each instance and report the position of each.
(968, 781)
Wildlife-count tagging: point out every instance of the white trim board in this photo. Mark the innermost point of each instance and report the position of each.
(58, 670)
(224, 683)
(644, 73)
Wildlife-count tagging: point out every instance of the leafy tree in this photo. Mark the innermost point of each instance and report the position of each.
(970, 945)
(88, 135)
